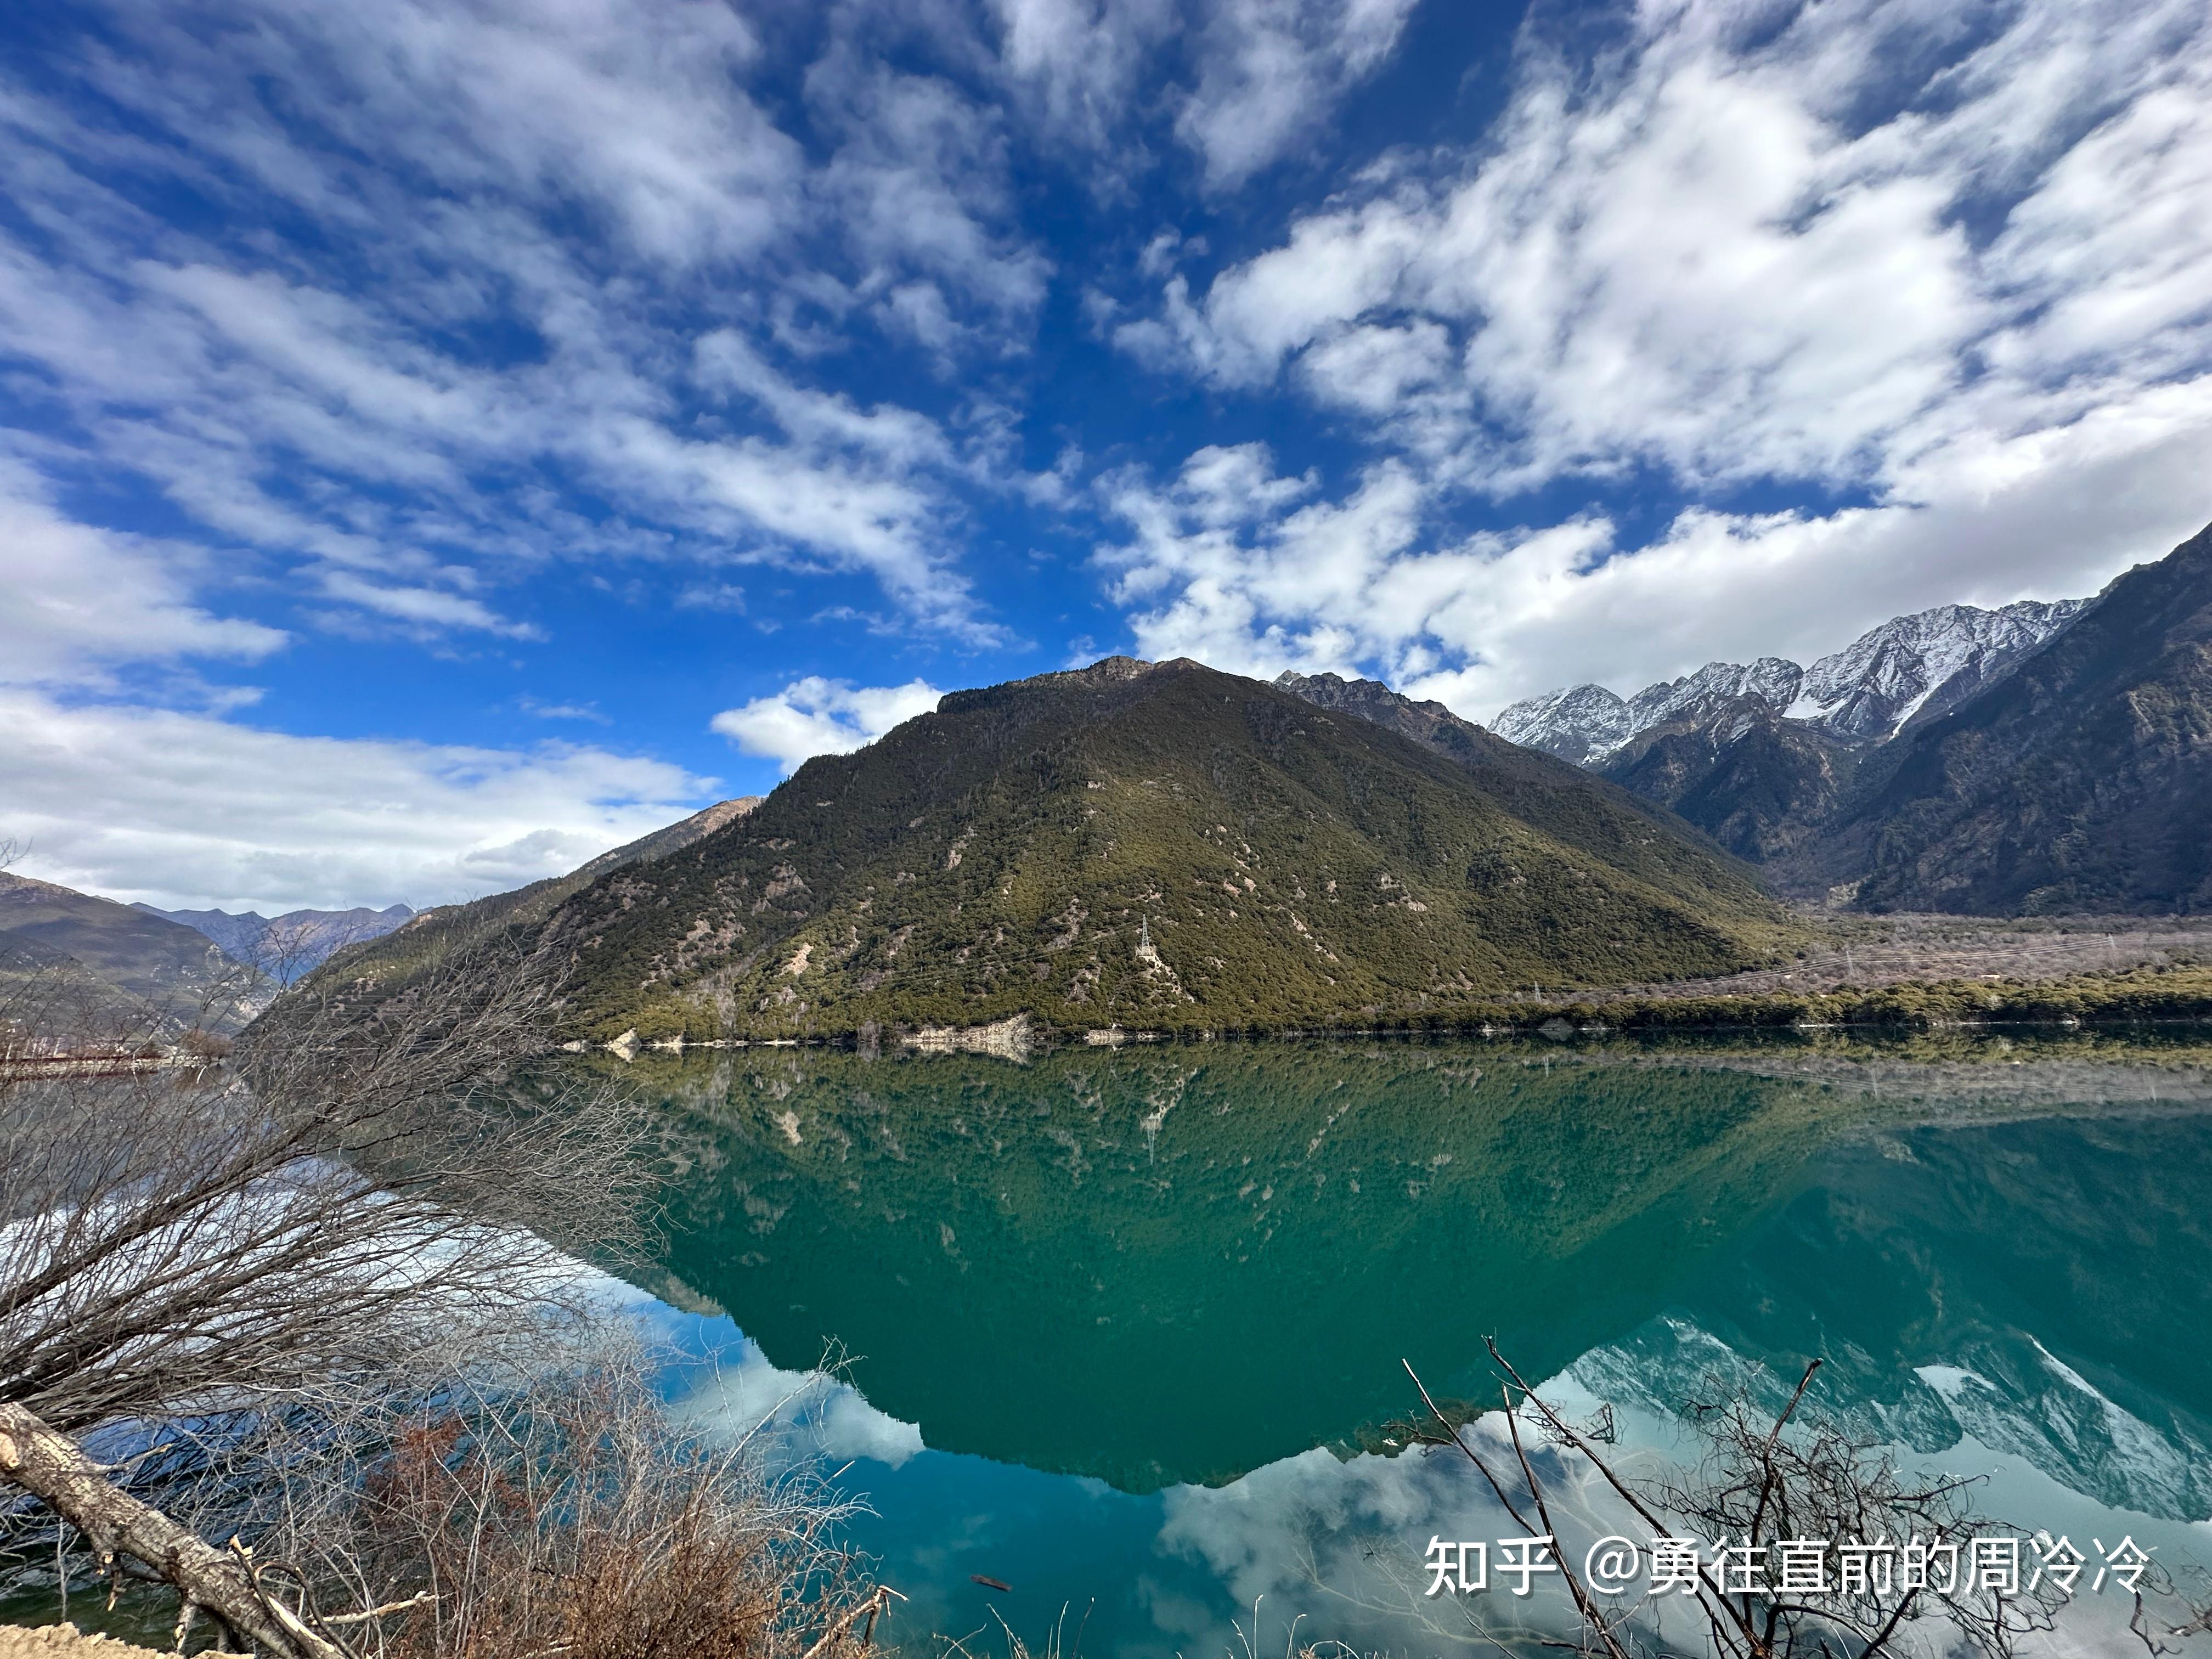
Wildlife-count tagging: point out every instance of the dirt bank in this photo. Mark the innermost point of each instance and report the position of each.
(65, 1642)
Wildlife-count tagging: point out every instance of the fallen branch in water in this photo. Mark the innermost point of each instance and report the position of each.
(54, 1469)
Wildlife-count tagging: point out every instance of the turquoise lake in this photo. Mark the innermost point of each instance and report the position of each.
(1123, 1329)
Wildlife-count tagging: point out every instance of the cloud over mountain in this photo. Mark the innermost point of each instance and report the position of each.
(392, 372)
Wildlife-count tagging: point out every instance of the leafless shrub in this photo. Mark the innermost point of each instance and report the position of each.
(374, 1193)
(356, 1193)
(571, 1517)
(1765, 1478)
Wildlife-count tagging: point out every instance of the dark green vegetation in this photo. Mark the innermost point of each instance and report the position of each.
(434, 934)
(1754, 782)
(95, 967)
(1011, 851)
(1180, 1265)
(2080, 781)
(1740, 773)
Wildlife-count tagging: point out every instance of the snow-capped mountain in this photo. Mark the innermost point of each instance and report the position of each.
(1870, 687)
(1863, 694)
(2000, 1391)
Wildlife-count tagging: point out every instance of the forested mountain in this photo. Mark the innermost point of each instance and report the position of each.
(1544, 783)
(1158, 845)
(1757, 782)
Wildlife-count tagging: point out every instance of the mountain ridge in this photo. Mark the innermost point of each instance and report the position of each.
(290, 944)
(1013, 850)
(109, 968)
(1866, 692)
(390, 958)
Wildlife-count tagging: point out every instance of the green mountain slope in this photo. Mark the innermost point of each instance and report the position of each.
(2080, 781)
(390, 959)
(1015, 851)
(1553, 795)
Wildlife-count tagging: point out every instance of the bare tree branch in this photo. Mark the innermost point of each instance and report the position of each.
(376, 1191)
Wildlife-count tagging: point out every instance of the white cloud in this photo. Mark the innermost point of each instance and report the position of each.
(816, 1416)
(919, 181)
(1701, 256)
(1270, 70)
(184, 810)
(817, 716)
(1247, 82)
(590, 187)
(563, 711)
(1079, 62)
(430, 609)
(1353, 585)
(1727, 254)
(82, 601)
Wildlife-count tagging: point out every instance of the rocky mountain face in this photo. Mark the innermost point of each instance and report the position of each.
(285, 947)
(1533, 784)
(2078, 782)
(1755, 780)
(1759, 756)
(74, 967)
(2041, 758)
(1864, 693)
(1152, 845)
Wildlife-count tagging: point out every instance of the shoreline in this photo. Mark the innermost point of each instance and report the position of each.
(2131, 997)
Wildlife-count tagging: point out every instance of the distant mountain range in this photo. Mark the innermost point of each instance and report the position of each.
(1864, 693)
(285, 947)
(401, 951)
(1154, 844)
(1168, 846)
(76, 966)
(2039, 758)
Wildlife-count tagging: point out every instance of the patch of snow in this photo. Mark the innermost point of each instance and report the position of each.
(1864, 692)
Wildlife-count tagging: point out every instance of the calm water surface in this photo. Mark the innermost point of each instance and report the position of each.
(1124, 1329)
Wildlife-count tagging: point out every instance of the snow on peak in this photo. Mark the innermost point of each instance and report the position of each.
(1583, 723)
(1863, 693)
(1870, 687)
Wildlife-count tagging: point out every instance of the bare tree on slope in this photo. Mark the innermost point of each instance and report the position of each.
(371, 1191)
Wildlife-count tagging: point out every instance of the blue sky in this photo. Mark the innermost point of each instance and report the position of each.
(440, 440)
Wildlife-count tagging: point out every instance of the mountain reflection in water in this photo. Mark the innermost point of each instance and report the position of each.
(1179, 1265)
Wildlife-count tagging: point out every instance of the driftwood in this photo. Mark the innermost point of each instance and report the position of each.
(51, 1468)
